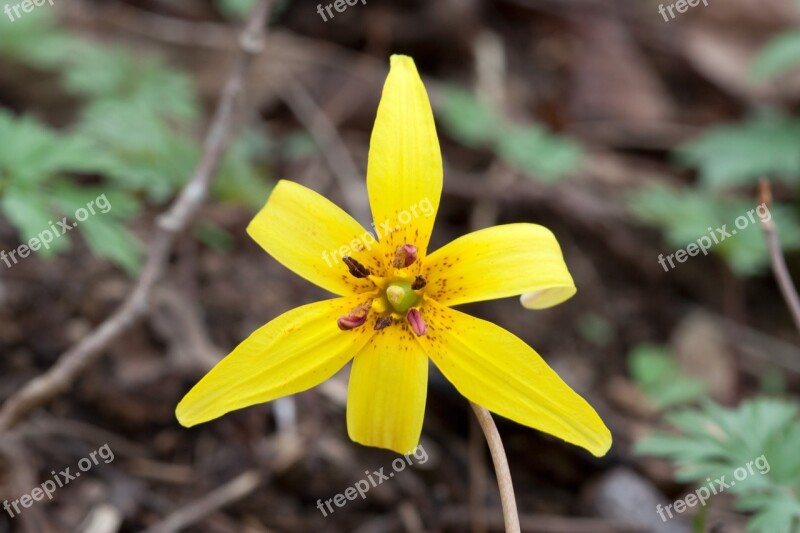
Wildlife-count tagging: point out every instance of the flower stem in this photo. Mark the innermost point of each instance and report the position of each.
(510, 515)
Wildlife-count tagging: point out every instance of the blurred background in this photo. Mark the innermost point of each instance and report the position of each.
(630, 129)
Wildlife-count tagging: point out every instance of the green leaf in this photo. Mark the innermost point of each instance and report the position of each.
(239, 181)
(36, 39)
(467, 119)
(32, 153)
(108, 238)
(32, 215)
(779, 56)
(142, 152)
(740, 154)
(538, 153)
(658, 375)
(686, 216)
(114, 74)
(759, 439)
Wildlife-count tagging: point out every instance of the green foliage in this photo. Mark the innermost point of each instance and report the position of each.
(529, 149)
(234, 9)
(35, 40)
(779, 56)
(767, 144)
(35, 168)
(685, 216)
(137, 130)
(656, 372)
(713, 441)
(108, 77)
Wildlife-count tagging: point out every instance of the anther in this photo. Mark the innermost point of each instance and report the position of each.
(357, 317)
(418, 325)
(349, 322)
(418, 283)
(357, 270)
(404, 256)
(383, 322)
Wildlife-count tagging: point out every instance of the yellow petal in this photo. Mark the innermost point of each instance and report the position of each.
(309, 234)
(292, 353)
(495, 369)
(388, 387)
(501, 261)
(404, 173)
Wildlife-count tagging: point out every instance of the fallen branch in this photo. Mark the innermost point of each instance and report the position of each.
(71, 363)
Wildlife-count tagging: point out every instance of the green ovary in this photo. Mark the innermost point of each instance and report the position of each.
(401, 296)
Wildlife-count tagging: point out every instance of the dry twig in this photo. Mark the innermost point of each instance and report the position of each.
(69, 366)
(788, 290)
(234, 490)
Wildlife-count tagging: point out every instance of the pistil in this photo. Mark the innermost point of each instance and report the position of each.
(401, 296)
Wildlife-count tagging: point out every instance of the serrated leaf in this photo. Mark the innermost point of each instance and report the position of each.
(760, 437)
(32, 153)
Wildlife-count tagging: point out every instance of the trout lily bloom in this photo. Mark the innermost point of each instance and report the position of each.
(394, 310)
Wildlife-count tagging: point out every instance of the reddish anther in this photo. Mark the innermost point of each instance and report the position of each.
(418, 325)
(405, 256)
(357, 317)
(349, 322)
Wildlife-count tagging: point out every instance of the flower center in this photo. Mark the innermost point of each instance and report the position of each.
(401, 296)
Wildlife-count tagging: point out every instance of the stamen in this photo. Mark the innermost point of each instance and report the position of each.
(419, 282)
(349, 322)
(383, 322)
(418, 325)
(357, 270)
(404, 256)
(357, 317)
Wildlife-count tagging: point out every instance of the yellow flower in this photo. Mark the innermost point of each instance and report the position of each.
(394, 311)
